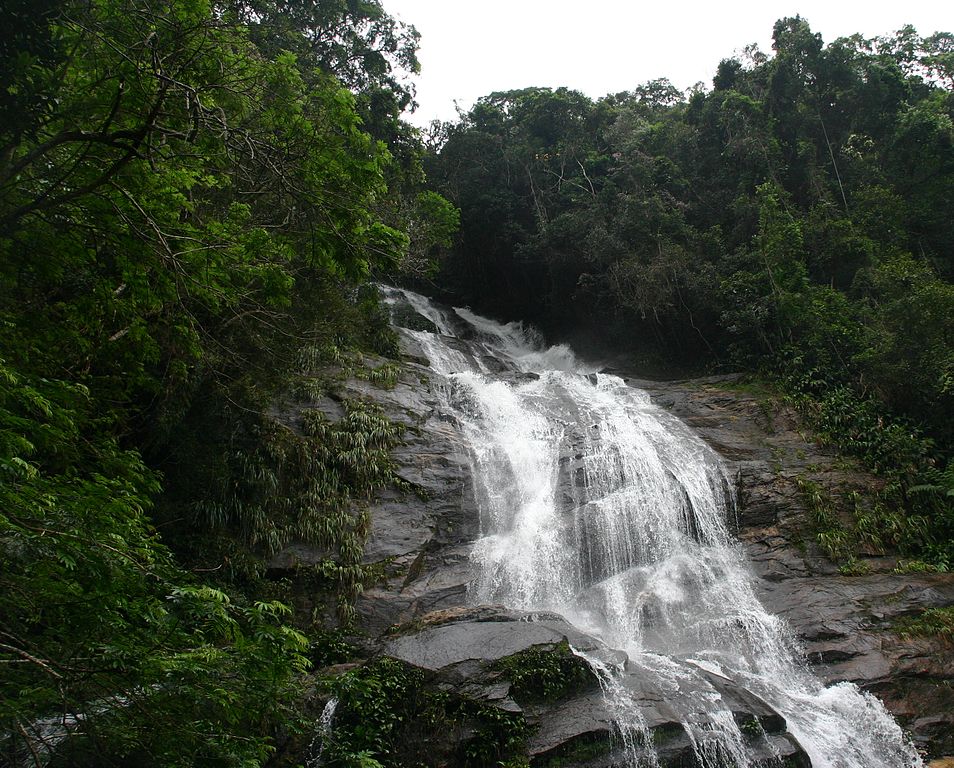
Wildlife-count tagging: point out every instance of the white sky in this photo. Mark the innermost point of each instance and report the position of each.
(470, 48)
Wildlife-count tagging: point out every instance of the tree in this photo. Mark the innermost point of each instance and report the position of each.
(184, 206)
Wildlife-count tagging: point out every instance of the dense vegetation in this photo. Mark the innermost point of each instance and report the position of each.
(794, 219)
(194, 195)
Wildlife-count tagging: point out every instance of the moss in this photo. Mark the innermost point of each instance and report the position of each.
(749, 385)
(930, 623)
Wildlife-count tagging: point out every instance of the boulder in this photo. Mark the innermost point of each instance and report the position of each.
(465, 649)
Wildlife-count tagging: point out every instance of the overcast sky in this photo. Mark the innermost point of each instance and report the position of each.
(470, 48)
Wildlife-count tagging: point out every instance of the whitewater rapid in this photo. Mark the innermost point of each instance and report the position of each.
(598, 505)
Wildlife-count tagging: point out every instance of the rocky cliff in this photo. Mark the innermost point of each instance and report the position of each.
(420, 612)
(851, 626)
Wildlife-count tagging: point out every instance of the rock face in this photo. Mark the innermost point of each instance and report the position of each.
(421, 614)
(424, 536)
(847, 624)
(420, 538)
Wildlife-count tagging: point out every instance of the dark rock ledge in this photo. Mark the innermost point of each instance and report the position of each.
(465, 649)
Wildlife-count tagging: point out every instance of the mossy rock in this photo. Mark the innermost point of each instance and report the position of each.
(546, 673)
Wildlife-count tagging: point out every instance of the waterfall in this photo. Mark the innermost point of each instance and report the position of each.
(324, 732)
(598, 505)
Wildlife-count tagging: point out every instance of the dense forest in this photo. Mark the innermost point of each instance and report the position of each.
(793, 220)
(194, 199)
(193, 196)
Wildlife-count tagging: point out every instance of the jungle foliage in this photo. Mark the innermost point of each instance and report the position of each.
(193, 197)
(793, 219)
(390, 715)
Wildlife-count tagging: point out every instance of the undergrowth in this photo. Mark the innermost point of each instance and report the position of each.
(847, 521)
(932, 622)
(546, 674)
(914, 510)
(395, 715)
(275, 485)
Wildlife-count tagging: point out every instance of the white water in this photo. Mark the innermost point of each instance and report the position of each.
(323, 734)
(601, 507)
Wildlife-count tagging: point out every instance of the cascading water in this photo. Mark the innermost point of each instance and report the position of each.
(323, 734)
(603, 508)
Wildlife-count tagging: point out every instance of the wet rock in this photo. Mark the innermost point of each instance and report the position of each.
(464, 648)
(584, 718)
(844, 623)
(404, 315)
(421, 541)
(420, 538)
(488, 639)
(495, 364)
(423, 534)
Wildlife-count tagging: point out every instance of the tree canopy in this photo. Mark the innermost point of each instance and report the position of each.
(191, 194)
(793, 218)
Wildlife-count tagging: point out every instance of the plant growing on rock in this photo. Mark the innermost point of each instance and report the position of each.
(542, 674)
